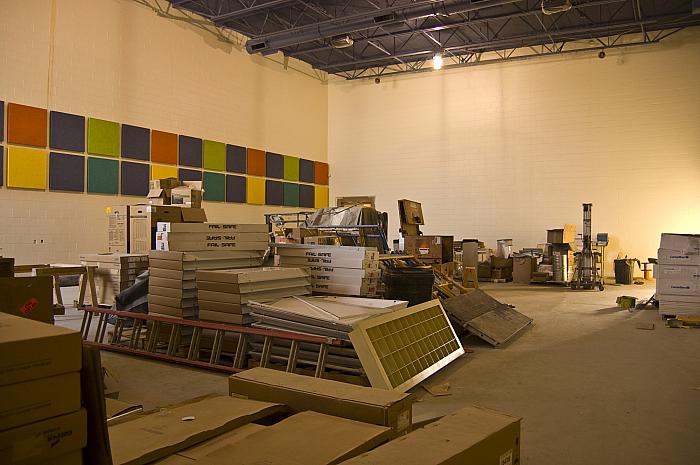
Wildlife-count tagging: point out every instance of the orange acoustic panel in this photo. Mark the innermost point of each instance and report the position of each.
(256, 162)
(321, 173)
(163, 147)
(26, 125)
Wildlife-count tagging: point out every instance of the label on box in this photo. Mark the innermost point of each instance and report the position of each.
(28, 306)
(506, 459)
(423, 250)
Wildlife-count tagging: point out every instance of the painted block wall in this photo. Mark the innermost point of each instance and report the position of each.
(510, 150)
(117, 60)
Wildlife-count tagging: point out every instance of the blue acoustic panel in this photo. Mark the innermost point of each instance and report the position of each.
(189, 175)
(235, 159)
(66, 172)
(66, 131)
(306, 171)
(2, 120)
(190, 151)
(135, 178)
(274, 193)
(235, 189)
(136, 142)
(2, 165)
(306, 196)
(275, 165)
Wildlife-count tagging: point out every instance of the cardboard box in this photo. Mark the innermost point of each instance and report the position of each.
(328, 251)
(164, 183)
(118, 228)
(677, 272)
(37, 399)
(28, 296)
(38, 442)
(206, 228)
(31, 350)
(678, 286)
(213, 236)
(685, 243)
(205, 448)
(472, 435)
(672, 257)
(194, 246)
(224, 317)
(523, 267)
(71, 458)
(354, 263)
(299, 392)
(186, 197)
(430, 247)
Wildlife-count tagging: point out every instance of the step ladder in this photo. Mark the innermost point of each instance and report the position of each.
(144, 335)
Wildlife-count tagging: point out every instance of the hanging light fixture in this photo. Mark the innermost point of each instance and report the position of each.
(437, 61)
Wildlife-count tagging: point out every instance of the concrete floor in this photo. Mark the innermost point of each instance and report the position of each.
(590, 387)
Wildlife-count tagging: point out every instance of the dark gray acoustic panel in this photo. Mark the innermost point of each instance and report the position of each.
(135, 178)
(306, 171)
(235, 159)
(306, 196)
(2, 120)
(190, 151)
(274, 163)
(66, 172)
(189, 175)
(274, 193)
(66, 131)
(136, 142)
(235, 189)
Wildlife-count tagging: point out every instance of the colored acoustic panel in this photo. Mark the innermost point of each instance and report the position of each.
(256, 162)
(26, 168)
(163, 147)
(274, 193)
(190, 151)
(321, 173)
(26, 125)
(274, 165)
(306, 196)
(135, 178)
(136, 142)
(306, 170)
(103, 137)
(235, 159)
(189, 175)
(235, 188)
(214, 187)
(162, 172)
(2, 120)
(255, 191)
(2, 165)
(291, 194)
(66, 132)
(291, 168)
(321, 197)
(214, 155)
(66, 172)
(103, 175)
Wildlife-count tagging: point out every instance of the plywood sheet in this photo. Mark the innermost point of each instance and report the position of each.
(162, 171)
(189, 175)
(274, 165)
(214, 155)
(235, 159)
(190, 151)
(235, 189)
(134, 178)
(291, 168)
(321, 197)
(26, 125)
(256, 162)
(255, 191)
(136, 142)
(306, 171)
(306, 196)
(103, 137)
(103, 176)
(26, 168)
(214, 187)
(66, 172)
(274, 193)
(321, 173)
(291, 194)
(163, 147)
(66, 132)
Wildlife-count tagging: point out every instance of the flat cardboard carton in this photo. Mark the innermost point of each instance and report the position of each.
(43, 440)
(172, 283)
(685, 243)
(170, 301)
(37, 399)
(31, 350)
(212, 227)
(193, 246)
(677, 271)
(205, 448)
(169, 311)
(299, 392)
(678, 286)
(672, 257)
(164, 183)
(212, 236)
(177, 275)
(472, 435)
(230, 288)
(72, 458)
(186, 197)
(328, 251)
(118, 227)
(224, 317)
(353, 263)
(28, 296)
(251, 275)
(172, 292)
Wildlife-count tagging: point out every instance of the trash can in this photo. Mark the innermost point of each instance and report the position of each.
(412, 284)
(624, 270)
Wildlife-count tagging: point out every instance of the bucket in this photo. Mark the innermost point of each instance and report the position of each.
(624, 270)
(412, 284)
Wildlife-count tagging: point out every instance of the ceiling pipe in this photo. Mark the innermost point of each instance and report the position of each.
(272, 43)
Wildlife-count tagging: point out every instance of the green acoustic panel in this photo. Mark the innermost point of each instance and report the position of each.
(103, 137)
(214, 155)
(291, 194)
(214, 187)
(103, 176)
(291, 168)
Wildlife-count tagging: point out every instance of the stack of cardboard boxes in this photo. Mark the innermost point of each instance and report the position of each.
(350, 271)
(223, 294)
(115, 272)
(41, 421)
(211, 236)
(170, 191)
(678, 274)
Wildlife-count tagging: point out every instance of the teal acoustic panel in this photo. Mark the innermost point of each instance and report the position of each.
(103, 176)
(214, 187)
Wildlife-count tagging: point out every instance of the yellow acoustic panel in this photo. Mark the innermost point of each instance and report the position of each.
(162, 171)
(255, 191)
(26, 168)
(321, 197)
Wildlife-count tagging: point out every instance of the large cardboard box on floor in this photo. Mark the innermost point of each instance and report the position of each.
(430, 247)
(523, 267)
(299, 392)
(472, 435)
(685, 243)
(28, 296)
(118, 228)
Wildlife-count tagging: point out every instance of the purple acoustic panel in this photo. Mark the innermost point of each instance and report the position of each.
(66, 172)
(190, 151)
(135, 178)
(66, 131)
(306, 171)
(235, 159)
(136, 142)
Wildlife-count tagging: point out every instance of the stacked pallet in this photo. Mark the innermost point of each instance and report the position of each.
(350, 271)
(678, 274)
(115, 272)
(223, 295)
(172, 289)
(190, 237)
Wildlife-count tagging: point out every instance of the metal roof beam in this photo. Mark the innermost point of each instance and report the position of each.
(250, 11)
